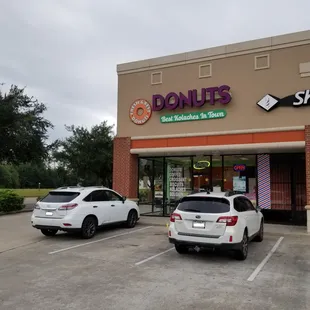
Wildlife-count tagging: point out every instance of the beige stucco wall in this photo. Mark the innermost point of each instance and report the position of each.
(283, 78)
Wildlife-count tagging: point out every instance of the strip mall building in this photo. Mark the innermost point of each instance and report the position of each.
(230, 117)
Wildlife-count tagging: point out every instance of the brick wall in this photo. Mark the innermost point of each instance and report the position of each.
(307, 150)
(125, 168)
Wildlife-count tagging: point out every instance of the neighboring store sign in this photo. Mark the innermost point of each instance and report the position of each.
(239, 167)
(299, 99)
(173, 100)
(194, 116)
(140, 111)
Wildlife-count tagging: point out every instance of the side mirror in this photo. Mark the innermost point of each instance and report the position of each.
(258, 208)
(124, 198)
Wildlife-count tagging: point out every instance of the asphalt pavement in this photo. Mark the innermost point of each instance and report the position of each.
(138, 269)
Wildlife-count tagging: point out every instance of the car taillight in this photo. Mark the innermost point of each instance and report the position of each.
(69, 206)
(36, 206)
(175, 216)
(228, 220)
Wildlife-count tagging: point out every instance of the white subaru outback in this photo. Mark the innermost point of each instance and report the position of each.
(216, 220)
(82, 209)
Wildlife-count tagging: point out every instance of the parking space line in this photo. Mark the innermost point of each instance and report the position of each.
(95, 241)
(154, 256)
(265, 260)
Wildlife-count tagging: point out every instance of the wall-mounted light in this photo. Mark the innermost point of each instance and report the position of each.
(201, 164)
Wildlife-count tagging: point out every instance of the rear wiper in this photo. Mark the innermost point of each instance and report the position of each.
(192, 210)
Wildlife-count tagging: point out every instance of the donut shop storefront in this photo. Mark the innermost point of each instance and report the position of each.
(180, 132)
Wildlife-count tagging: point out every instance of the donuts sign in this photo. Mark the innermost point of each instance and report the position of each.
(140, 111)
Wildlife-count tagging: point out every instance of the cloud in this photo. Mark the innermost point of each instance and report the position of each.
(66, 51)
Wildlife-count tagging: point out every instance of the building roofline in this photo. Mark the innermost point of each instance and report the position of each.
(224, 51)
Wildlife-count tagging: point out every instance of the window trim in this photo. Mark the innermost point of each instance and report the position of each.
(238, 199)
(244, 200)
(202, 66)
(249, 201)
(50, 193)
(220, 200)
(161, 78)
(116, 194)
(262, 56)
(90, 194)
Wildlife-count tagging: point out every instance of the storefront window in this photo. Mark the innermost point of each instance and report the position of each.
(217, 173)
(151, 185)
(202, 173)
(240, 175)
(178, 180)
(164, 180)
(158, 185)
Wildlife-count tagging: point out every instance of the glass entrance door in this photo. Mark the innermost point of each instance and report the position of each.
(158, 186)
(202, 173)
(151, 182)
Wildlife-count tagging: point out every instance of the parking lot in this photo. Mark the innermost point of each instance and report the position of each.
(138, 269)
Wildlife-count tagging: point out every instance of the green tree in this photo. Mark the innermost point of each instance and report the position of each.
(88, 154)
(9, 177)
(30, 175)
(5, 176)
(23, 129)
(14, 177)
(63, 177)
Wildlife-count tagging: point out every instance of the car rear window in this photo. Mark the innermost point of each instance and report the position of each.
(204, 205)
(60, 197)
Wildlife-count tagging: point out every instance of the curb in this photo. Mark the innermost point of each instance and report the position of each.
(153, 224)
(141, 221)
(14, 212)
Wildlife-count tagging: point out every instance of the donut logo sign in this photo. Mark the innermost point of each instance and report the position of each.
(140, 111)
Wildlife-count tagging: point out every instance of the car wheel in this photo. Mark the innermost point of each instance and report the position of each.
(132, 219)
(49, 232)
(89, 227)
(181, 249)
(243, 252)
(260, 236)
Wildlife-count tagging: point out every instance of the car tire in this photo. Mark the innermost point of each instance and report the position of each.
(242, 254)
(132, 219)
(49, 232)
(260, 236)
(181, 249)
(89, 227)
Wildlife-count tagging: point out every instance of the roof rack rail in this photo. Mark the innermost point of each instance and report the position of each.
(81, 187)
(64, 187)
(232, 193)
(95, 186)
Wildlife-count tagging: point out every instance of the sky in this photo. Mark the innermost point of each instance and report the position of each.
(65, 52)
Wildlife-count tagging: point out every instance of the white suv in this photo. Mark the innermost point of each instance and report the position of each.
(216, 220)
(82, 209)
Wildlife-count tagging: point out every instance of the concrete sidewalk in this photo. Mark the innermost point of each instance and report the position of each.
(274, 229)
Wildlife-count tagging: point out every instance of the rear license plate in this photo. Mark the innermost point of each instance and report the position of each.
(197, 224)
(49, 213)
